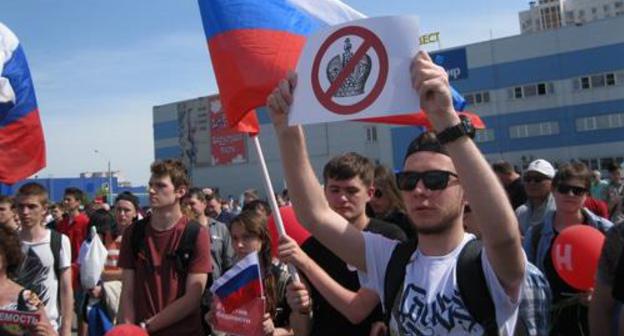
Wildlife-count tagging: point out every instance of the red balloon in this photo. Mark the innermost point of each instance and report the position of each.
(126, 330)
(575, 255)
(293, 228)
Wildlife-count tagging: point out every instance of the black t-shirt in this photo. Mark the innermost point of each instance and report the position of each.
(327, 320)
(516, 192)
(402, 221)
(571, 320)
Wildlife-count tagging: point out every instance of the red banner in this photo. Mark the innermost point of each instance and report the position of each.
(244, 321)
(227, 146)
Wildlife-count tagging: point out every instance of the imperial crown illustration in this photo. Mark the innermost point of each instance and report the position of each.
(354, 84)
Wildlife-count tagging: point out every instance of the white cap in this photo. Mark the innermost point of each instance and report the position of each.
(543, 167)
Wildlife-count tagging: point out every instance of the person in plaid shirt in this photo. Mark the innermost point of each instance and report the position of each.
(534, 311)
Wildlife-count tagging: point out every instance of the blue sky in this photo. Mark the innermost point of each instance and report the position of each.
(100, 66)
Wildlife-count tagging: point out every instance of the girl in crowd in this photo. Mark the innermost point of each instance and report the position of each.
(386, 203)
(571, 186)
(250, 233)
(13, 296)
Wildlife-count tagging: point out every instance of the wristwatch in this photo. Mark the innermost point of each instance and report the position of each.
(463, 128)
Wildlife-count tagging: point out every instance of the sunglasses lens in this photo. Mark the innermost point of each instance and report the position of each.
(577, 191)
(435, 180)
(407, 181)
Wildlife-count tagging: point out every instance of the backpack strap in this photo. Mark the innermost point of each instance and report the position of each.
(138, 242)
(395, 274)
(55, 245)
(186, 248)
(618, 283)
(473, 288)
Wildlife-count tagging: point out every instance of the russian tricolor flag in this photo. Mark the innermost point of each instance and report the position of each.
(241, 284)
(253, 43)
(22, 146)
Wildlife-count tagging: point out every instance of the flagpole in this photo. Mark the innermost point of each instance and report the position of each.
(279, 224)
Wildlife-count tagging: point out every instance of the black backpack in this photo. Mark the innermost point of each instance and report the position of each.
(470, 279)
(183, 254)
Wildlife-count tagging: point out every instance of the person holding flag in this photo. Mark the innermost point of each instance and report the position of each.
(250, 234)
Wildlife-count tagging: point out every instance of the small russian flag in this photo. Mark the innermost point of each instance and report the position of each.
(239, 285)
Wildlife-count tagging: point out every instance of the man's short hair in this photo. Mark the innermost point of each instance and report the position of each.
(4, 199)
(251, 193)
(34, 189)
(129, 197)
(198, 193)
(175, 169)
(349, 165)
(76, 193)
(574, 170)
(425, 142)
(613, 167)
(503, 167)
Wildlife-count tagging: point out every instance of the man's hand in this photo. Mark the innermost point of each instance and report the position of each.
(290, 253)
(431, 82)
(298, 297)
(280, 100)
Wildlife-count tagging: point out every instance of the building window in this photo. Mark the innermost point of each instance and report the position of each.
(599, 80)
(484, 135)
(371, 134)
(533, 130)
(531, 90)
(606, 121)
(476, 98)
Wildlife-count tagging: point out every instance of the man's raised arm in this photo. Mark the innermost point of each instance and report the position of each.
(305, 192)
(499, 227)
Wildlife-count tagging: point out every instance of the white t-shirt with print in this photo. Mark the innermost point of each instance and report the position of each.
(430, 303)
(37, 272)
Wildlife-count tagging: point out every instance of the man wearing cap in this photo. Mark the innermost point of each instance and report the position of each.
(537, 183)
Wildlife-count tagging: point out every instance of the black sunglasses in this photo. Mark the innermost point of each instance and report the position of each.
(378, 193)
(432, 179)
(535, 178)
(565, 189)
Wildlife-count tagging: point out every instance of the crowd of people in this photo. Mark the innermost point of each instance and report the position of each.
(449, 245)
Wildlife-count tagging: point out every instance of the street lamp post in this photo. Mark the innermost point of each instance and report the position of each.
(110, 177)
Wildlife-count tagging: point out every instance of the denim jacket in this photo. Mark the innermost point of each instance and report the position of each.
(548, 233)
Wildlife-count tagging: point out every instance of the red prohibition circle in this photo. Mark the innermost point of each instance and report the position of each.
(370, 40)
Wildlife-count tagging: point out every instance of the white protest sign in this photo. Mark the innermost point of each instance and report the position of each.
(359, 69)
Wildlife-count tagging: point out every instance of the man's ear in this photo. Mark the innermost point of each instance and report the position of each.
(181, 191)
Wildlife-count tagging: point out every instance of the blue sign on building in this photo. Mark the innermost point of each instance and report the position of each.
(453, 61)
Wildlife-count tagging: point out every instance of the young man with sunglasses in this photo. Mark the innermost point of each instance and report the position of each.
(571, 186)
(538, 185)
(435, 198)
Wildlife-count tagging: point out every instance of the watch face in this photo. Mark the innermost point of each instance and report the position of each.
(468, 127)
